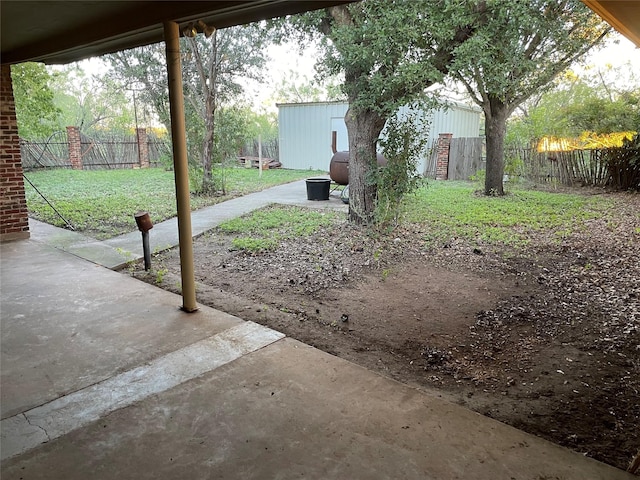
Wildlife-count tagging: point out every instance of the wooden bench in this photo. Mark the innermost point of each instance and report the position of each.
(252, 162)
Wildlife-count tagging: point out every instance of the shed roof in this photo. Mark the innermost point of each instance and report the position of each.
(446, 102)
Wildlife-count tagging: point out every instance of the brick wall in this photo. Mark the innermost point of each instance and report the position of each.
(442, 160)
(14, 220)
(75, 147)
(143, 147)
(74, 143)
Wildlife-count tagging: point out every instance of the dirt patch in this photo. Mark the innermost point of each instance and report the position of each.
(545, 338)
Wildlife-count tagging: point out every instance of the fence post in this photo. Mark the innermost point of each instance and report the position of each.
(75, 149)
(143, 147)
(442, 160)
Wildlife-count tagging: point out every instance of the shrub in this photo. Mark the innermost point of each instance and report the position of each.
(623, 164)
(405, 139)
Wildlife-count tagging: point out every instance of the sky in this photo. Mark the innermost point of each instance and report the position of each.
(617, 52)
(283, 60)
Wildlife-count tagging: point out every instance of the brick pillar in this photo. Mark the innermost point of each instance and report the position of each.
(442, 159)
(143, 147)
(75, 148)
(14, 218)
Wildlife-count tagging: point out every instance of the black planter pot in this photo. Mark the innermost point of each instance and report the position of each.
(318, 188)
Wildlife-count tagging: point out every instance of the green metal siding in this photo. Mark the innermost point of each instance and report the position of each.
(305, 131)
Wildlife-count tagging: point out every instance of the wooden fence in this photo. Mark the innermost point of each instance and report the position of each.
(52, 152)
(572, 168)
(110, 152)
(270, 149)
(431, 161)
(466, 157)
(96, 152)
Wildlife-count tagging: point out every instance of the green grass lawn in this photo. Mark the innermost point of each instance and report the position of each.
(444, 210)
(457, 209)
(101, 203)
(265, 228)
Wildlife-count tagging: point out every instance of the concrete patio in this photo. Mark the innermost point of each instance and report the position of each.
(103, 377)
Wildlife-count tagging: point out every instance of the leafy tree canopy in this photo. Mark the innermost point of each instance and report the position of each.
(389, 52)
(299, 88)
(144, 69)
(214, 70)
(522, 46)
(518, 49)
(35, 109)
(590, 102)
(92, 103)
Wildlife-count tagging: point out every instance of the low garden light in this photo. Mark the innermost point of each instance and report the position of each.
(143, 220)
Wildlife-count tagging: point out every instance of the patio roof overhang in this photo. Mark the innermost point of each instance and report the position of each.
(57, 31)
(623, 15)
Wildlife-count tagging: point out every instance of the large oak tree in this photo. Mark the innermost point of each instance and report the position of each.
(389, 53)
(215, 68)
(36, 111)
(520, 48)
(219, 65)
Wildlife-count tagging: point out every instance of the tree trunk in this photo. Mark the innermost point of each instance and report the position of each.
(364, 128)
(208, 186)
(209, 84)
(495, 128)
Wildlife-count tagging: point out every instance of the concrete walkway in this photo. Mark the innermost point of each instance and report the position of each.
(116, 252)
(103, 377)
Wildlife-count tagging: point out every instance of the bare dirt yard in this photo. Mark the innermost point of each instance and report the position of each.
(545, 338)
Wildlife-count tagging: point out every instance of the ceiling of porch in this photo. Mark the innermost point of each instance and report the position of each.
(58, 31)
(53, 31)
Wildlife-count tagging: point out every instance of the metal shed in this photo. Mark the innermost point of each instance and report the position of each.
(305, 130)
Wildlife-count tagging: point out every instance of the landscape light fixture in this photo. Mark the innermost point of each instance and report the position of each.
(208, 30)
(189, 30)
(143, 220)
(193, 28)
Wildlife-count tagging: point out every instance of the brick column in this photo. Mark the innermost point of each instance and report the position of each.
(75, 148)
(143, 147)
(442, 159)
(14, 219)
